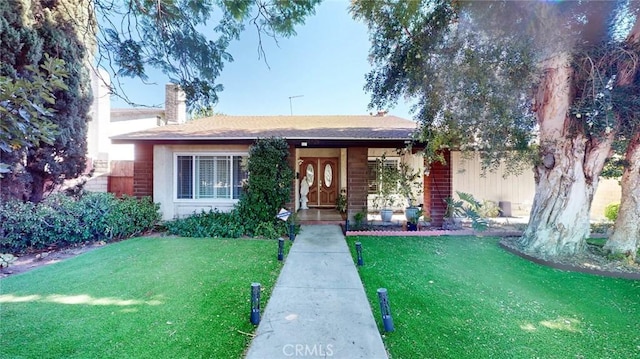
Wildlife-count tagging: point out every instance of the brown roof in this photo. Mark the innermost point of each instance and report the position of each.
(223, 127)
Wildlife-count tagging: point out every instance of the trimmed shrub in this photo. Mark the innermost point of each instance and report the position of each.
(131, 217)
(611, 211)
(60, 220)
(266, 230)
(208, 224)
(269, 185)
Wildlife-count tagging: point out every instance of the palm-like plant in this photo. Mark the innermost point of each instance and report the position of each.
(467, 207)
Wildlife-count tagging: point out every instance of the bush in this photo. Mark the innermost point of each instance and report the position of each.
(131, 217)
(269, 184)
(208, 224)
(611, 211)
(60, 220)
(266, 230)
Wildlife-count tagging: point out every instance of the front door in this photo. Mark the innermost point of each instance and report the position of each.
(321, 173)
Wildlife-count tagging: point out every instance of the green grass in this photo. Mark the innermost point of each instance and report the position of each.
(141, 298)
(464, 297)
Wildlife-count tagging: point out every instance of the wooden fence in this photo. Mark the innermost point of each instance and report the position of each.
(121, 178)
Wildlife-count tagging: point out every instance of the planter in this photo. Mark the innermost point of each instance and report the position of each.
(412, 227)
(386, 215)
(411, 213)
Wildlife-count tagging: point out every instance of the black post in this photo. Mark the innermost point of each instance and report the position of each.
(385, 310)
(292, 232)
(346, 225)
(359, 253)
(255, 303)
(280, 249)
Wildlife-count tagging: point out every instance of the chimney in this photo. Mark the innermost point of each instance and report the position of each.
(175, 107)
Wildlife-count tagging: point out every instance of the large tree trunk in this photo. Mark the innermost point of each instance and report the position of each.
(624, 239)
(626, 233)
(567, 173)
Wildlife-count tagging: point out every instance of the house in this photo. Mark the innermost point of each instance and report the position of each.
(112, 164)
(198, 165)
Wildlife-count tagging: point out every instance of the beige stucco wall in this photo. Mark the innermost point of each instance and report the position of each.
(163, 180)
(519, 190)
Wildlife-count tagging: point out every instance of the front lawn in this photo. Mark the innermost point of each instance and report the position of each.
(141, 298)
(464, 297)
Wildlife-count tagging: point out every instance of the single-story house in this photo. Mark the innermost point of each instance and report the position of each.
(197, 165)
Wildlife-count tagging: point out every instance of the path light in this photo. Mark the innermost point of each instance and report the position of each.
(292, 231)
(359, 252)
(346, 226)
(385, 310)
(255, 303)
(280, 249)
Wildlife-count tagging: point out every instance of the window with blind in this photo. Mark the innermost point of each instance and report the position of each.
(209, 176)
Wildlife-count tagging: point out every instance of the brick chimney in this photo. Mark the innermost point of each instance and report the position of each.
(175, 106)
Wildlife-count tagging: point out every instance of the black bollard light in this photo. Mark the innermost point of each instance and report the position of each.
(255, 303)
(292, 232)
(280, 249)
(359, 253)
(385, 309)
(346, 225)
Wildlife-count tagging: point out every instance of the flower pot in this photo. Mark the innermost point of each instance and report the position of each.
(412, 227)
(411, 213)
(386, 215)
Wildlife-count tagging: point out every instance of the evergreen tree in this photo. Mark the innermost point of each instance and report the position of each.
(48, 27)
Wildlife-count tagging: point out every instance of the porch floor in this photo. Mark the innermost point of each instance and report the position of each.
(319, 216)
(332, 216)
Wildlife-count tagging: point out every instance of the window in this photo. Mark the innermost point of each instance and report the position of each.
(372, 172)
(209, 176)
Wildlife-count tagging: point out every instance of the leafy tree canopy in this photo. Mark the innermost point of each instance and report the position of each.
(186, 39)
(471, 67)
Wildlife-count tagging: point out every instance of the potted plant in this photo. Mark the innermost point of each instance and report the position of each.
(413, 218)
(341, 202)
(359, 219)
(388, 177)
(410, 187)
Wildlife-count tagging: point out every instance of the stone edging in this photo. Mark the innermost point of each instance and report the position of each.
(570, 268)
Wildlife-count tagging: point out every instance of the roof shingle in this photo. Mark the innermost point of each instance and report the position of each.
(290, 127)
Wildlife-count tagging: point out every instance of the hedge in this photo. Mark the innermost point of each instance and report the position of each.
(61, 220)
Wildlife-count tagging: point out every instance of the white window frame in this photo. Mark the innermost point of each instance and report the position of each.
(174, 183)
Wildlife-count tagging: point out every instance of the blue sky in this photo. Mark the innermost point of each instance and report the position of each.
(325, 63)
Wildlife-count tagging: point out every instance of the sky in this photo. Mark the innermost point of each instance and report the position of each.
(325, 64)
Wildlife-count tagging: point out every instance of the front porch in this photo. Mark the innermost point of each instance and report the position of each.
(332, 216)
(319, 216)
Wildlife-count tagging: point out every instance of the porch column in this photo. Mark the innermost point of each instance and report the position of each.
(357, 189)
(291, 204)
(438, 185)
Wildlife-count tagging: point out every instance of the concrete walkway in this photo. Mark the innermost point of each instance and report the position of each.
(318, 307)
